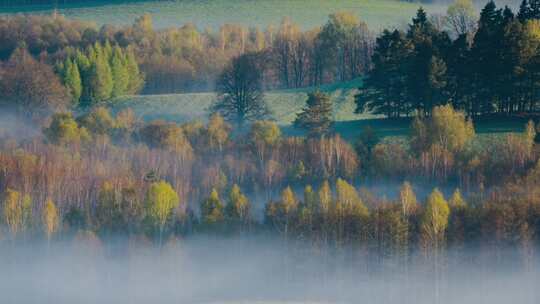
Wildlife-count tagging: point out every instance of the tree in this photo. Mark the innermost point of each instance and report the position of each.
(64, 130)
(30, 87)
(238, 206)
(240, 94)
(435, 221)
(13, 211)
(486, 60)
(264, 136)
(136, 78)
(461, 17)
(72, 80)
(457, 201)
(100, 78)
(407, 200)
(212, 209)
(316, 117)
(161, 199)
(217, 131)
(447, 128)
(288, 205)
(120, 73)
(385, 87)
(51, 219)
(98, 121)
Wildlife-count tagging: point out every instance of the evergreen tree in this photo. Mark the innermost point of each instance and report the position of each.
(384, 91)
(120, 73)
(316, 117)
(100, 77)
(136, 78)
(72, 80)
(486, 61)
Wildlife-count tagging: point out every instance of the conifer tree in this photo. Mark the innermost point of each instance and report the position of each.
(120, 73)
(72, 80)
(316, 117)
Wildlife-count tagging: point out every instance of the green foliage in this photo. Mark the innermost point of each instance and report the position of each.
(98, 121)
(240, 91)
(161, 199)
(238, 207)
(457, 201)
(51, 219)
(72, 80)
(64, 130)
(265, 132)
(435, 220)
(212, 210)
(13, 211)
(349, 200)
(316, 117)
(446, 128)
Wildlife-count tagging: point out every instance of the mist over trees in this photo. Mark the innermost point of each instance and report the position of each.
(92, 176)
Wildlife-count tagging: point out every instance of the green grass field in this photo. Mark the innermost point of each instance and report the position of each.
(285, 104)
(213, 13)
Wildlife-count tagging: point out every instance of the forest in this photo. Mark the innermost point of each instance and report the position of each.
(74, 170)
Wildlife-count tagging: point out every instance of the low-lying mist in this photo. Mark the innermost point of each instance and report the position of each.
(255, 270)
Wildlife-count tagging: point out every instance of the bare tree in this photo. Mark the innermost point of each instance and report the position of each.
(461, 17)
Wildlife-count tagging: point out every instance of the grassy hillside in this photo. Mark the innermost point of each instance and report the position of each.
(213, 13)
(286, 103)
(283, 104)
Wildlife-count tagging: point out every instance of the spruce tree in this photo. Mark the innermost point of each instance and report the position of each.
(120, 73)
(72, 80)
(316, 117)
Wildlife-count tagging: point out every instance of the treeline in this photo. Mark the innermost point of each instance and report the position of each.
(114, 174)
(340, 219)
(184, 58)
(484, 67)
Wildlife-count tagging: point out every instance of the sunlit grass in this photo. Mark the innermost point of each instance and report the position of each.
(212, 13)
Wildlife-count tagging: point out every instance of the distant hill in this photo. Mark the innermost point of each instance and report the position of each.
(213, 13)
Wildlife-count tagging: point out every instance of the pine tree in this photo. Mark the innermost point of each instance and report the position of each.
(136, 78)
(120, 73)
(100, 77)
(72, 80)
(316, 117)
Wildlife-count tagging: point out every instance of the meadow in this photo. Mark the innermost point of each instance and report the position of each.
(213, 13)
(285, 104)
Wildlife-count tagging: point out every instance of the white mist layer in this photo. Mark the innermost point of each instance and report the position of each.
(254, 271)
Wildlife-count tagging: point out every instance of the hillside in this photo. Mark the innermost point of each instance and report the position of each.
(213, 13)
(284, 104)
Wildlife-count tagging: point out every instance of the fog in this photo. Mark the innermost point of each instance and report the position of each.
(261, 270)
